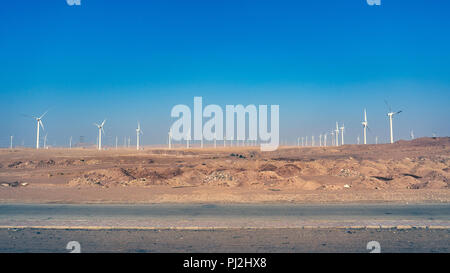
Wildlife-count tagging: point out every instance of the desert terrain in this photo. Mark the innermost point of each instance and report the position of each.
(406, 171)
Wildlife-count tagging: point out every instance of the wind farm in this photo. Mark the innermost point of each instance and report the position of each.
(328, 168)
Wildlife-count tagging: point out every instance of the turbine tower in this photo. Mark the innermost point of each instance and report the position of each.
(320, 140)
(342, 134)
(391, 115)
(11, 142)
(412, 134)
(332, 137)
(188, 137)
(100, 130)
(39, 123)
(45, 141)
(138, 135)
(337, 134)
(325, 139)
(70, 143)
(170, 138)
(364, 124)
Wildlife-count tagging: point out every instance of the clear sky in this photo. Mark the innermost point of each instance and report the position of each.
(322, 61)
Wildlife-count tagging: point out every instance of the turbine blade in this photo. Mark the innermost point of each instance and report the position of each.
(42, 125)
(97, 125)
(103, 123)
(399, 112)
(388, 106)
(44, 114)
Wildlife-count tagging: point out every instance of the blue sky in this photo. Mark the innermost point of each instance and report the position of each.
(321, 61)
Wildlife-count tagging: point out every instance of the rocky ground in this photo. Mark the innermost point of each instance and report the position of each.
(417, 170)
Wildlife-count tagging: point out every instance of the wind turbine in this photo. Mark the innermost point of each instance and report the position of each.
(11, 142)
(188, 137)
(39, 123)
(364, 124)
(332, 137)
(325, 139)
(312, 141)
(342, 134)
(70, 143)
(337, 134)
(45, 141)
(390, 115)
(412, 134)
(100, 130)
(320, 140)
(170, 138)
(138, 134)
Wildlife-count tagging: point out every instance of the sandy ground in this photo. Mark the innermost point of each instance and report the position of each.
(225, 240)
(407, 171)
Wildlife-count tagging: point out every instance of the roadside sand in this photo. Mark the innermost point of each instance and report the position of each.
(407, 171)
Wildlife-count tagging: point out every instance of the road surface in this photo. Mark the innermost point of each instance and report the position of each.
(225, 228)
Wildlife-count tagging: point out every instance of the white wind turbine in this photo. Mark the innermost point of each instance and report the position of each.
(337, 134)
(412, 134)
(332, 137)
(342, 134)
(320, 140)
(364, 124)
(325, 139)
(45, 141)
(100, 130)
(170, 138)
(39, 123)
(390, 115)
(138, 135)
(188, 137)
(11, 142)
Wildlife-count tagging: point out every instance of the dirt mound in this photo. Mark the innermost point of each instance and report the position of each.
(267, 167)
(103, 177)
(15, 164)
(288, 170)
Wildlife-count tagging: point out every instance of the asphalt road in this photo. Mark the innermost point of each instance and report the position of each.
(223, 216)
(225, 228)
